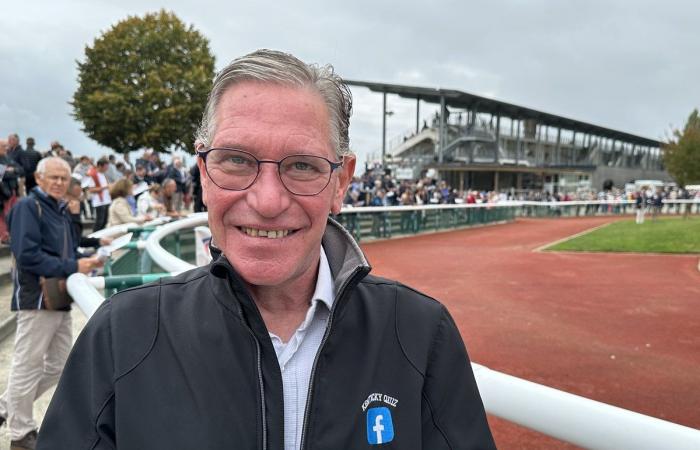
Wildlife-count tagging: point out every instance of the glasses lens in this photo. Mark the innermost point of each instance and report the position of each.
(305, 174)
(231, 169)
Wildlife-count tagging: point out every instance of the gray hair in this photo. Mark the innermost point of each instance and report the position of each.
(41, 167)
(276, 67)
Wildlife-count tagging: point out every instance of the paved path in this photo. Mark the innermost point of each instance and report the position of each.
(619, 328)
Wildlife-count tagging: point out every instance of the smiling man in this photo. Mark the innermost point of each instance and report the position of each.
(284, 341)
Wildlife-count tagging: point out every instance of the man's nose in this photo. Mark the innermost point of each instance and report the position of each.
(268, 196)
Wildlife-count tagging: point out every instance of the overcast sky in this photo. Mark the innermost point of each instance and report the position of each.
(627, 65)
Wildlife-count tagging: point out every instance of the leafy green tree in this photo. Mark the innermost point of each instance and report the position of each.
(144, 84)
(682, 153)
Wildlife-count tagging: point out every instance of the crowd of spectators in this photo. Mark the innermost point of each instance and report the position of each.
(372, 189)
(108, 191)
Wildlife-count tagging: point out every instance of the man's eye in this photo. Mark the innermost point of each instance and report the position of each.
(238, 160)
(303, 166)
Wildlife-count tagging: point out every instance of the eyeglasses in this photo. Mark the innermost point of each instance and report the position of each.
(236, 170)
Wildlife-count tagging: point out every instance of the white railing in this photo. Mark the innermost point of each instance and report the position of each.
(568, 417)
(161, 256)
(578, 420)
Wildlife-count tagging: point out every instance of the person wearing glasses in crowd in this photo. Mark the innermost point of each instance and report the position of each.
(284, 340)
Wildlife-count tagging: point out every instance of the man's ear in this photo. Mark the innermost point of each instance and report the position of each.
(345, 174)
(203, 178)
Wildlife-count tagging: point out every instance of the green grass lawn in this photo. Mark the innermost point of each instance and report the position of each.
(664, 235)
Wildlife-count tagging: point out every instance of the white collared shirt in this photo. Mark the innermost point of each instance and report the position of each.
(296, 357)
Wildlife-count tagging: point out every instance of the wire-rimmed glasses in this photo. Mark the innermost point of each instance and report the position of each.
(237, 170)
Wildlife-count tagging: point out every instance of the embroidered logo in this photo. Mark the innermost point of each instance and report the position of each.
(380, 427)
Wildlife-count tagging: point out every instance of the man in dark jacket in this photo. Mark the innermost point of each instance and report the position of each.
(42, 245)
(31, 159)
(284, 341)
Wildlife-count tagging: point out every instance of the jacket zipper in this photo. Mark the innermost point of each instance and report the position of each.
(260, 381)
(320, 348)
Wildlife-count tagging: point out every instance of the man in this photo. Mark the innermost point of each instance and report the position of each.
(98, 187)
(112, 174)
(43, 246)
(11, 172)
(197, 189)
(284, 340)
(83, 167)
(15, 151)
(168, 198)
(178, 173)
(31, 159)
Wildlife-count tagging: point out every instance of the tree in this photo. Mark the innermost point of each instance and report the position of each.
(682, 153)
(144, 84)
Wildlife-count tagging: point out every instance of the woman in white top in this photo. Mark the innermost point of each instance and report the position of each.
(149, 203)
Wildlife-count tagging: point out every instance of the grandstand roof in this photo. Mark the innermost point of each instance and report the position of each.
(462, 99)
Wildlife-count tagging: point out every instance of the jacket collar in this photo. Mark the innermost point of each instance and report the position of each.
(46, 199)
(345, 258)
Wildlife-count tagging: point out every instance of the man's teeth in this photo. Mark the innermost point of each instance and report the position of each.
(270, 234)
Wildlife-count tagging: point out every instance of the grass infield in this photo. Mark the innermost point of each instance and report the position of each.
(663, 235)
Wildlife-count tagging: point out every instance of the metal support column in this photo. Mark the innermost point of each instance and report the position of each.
(518, 143)
(417, 115)
(383, 130)
(498, 139)
(557, 151)
(442, 128)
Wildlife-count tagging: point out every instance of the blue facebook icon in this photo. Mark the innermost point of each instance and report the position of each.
(380, 428)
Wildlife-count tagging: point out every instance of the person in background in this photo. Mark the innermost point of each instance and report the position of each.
(112, 174)
(43, 246)
(74, 198)
(149, 202)
(168, 191)
(120, 211)
(15, 151)
(199, 205)
(9, 188)
(178, 173)
(83, 166)
(29, 163)
(99, 189)
(140, 175)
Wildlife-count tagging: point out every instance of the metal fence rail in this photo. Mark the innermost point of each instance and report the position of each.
(381, 222)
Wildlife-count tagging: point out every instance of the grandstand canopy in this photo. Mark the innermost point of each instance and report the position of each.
(460, 99)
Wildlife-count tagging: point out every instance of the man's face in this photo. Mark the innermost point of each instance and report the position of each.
(12, 141)
(55, 179)
(271, 122)
(103, 168)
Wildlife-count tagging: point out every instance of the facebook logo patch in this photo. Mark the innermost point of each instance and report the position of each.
(380, 428)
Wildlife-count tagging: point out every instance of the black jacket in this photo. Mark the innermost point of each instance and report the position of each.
(188, 363)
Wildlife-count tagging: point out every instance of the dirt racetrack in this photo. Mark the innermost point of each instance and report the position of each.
(619, 328)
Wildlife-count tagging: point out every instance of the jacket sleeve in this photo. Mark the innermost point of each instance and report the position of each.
(25, 232)
(454, 416)
(81, 412)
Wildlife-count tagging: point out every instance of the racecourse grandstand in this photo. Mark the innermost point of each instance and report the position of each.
(486, 144)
